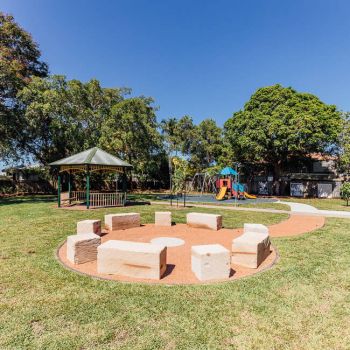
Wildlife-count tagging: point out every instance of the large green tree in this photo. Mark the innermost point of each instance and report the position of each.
(19, 62)
(278, 124)
(61, 117)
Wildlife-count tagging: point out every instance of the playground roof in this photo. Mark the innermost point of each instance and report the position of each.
(94, 158)
(228, 171)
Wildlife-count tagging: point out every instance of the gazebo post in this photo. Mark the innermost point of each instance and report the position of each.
(124, 181)
(69, 187)
(87, 187)
(59, 190)
(124, 185)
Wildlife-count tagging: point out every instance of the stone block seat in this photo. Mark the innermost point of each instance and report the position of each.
(211, 221)
(122, 221)
(162, 218)
(210, 262)
(252, 247)
(132, 259)
(89, 226)
(82, 248)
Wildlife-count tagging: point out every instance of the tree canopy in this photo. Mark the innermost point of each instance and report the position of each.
(278, 124)
(19, 62)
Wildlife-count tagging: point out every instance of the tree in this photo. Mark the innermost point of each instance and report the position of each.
(345, 192)
(178, 134)
(61, 117)
(181, 172)
(19, 62)
(130, 131)
(206, 145)
(345, 144)
(278, 124)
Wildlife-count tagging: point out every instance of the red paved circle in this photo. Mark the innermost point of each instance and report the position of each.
(179, 258)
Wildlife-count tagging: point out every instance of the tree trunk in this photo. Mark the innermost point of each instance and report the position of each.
(277, 171)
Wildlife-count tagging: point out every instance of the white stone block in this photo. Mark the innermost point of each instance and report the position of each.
(210, 262)
(132, 259)
(256, 228)
(82, 248)
(211, 221)
(250, 249)
(162, 218)
(123, 221)
(89, 226)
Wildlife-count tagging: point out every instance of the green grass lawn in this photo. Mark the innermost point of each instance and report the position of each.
(302, 303)
(324, 203)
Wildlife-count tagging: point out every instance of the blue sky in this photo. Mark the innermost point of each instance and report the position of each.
(201, 58)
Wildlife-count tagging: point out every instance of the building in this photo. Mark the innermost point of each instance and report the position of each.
(317, 178)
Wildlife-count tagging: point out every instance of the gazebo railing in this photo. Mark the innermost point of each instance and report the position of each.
(79, 195)
(101, 199)
(107, 199)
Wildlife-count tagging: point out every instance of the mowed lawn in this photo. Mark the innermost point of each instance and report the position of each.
(302, 303)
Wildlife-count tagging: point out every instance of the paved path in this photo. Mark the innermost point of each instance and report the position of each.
(296, 209)
(299, 208)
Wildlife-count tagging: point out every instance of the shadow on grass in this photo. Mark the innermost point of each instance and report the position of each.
(131, 203)
(27, 199)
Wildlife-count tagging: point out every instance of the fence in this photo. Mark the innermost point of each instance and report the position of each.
(101, 199)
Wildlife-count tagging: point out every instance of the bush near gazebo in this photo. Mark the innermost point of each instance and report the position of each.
(181, 172)
(345, 192)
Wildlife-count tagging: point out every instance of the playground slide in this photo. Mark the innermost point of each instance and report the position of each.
(220, 196)
(250, 196)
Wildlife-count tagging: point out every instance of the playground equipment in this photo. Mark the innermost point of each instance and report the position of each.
(222, 193)
(228, 184)
(203, 182)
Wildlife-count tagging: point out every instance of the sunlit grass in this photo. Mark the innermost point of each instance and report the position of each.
(302, 303)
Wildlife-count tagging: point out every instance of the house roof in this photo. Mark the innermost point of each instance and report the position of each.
(92, 156)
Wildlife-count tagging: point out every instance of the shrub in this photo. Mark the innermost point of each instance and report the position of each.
(345, 192)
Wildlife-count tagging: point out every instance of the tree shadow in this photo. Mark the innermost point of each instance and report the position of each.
(27, 199)
(133, 203)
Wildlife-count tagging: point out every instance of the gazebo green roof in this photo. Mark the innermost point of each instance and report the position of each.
(92, 156)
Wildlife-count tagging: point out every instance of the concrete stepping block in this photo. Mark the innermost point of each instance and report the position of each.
(211, 221)
(122, 221)
(256, 228)
(210, 262)
(89, 226)
(132, 259)
(250, 249)
(82, 248)
(162, 218)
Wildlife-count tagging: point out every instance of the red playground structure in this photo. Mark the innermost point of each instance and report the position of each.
(228, 185)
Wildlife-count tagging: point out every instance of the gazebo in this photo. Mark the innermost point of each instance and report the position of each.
(89, 161)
